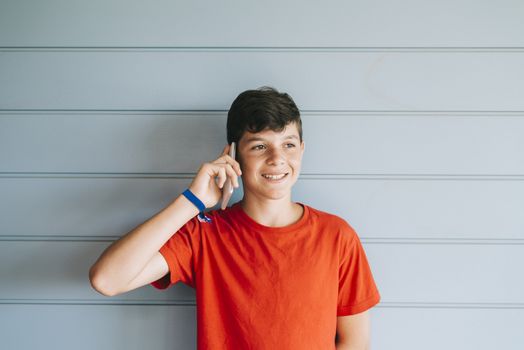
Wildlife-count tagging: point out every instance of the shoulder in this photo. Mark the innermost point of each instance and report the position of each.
(332, 222)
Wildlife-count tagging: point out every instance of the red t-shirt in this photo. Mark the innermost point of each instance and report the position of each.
(261, 287)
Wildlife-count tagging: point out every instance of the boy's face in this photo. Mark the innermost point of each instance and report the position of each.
(270, 153)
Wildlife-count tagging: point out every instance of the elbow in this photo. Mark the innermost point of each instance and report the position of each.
(100, 283)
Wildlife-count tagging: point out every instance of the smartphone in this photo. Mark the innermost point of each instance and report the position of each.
(227, 190)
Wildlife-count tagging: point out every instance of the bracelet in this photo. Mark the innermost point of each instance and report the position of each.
(198, 203)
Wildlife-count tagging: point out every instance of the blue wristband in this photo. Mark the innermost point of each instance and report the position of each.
(198, 203)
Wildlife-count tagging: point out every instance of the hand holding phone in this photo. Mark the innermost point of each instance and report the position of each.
(227, 190)
(217, 179)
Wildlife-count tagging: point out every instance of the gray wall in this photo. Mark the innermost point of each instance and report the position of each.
(413, 117)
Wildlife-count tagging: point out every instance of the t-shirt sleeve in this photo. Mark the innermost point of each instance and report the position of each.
(357, 290)
(181, 254)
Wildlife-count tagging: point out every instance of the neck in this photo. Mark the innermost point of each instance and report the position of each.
(272, 212)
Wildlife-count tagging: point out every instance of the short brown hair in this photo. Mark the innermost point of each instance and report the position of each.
(260, 109)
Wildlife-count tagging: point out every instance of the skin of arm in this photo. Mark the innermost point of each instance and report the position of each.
(353, 332)
(134, 260)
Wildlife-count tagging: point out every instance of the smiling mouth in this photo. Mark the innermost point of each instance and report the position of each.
(275, 177)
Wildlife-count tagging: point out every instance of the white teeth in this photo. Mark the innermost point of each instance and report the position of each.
(274, 177)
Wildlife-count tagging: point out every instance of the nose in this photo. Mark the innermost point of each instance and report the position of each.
(275, 157)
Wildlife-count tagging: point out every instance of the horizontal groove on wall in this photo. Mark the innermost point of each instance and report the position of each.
(396, 305)
(458, 49)
(304, 113)
(108, 301)
(306, 176)
(430, 305)
(374, 240)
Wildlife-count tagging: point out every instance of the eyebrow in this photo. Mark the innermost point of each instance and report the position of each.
(255, 138)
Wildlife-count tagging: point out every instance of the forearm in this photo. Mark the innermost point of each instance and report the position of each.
(124, 259)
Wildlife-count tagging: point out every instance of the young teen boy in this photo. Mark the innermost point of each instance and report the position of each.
(269, 273)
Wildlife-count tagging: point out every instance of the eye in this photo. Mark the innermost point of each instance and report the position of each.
(259, 147)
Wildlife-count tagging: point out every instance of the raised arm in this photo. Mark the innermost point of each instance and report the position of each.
(133, 260)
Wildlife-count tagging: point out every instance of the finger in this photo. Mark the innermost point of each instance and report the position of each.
(219, 161)
(222, 177)
(223, 158)
(229, 160)
(232, 174)
(228, 173)
(234, 163)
